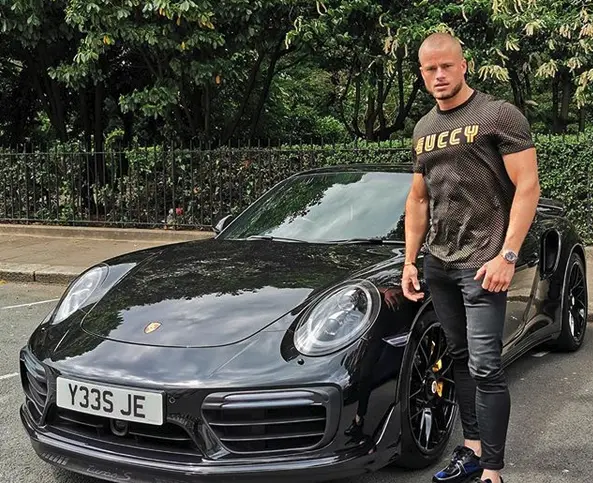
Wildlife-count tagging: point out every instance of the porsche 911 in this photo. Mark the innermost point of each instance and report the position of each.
(280, 349)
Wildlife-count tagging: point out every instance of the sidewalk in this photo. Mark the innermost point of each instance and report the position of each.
(58, 254)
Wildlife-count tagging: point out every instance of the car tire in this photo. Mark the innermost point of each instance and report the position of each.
(574, 307)
(412, 455)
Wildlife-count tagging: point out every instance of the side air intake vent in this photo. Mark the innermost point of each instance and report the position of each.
(272, 421)
(34, 381)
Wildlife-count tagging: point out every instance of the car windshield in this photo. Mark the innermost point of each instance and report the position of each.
(329, 207)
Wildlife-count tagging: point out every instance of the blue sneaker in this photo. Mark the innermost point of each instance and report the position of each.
(464, 464)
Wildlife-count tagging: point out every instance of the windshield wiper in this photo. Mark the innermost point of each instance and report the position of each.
(371, 241)
(272, 238)
(348, 241)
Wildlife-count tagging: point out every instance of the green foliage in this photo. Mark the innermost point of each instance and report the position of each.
(300, 106)
(550, 38)
(369, 49)
(566, 175)
(201, 69)
(285, 69)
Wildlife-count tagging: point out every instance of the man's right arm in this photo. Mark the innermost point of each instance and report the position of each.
(416, 226)
(416, 221)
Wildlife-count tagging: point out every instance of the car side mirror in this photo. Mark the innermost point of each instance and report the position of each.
(223, 223)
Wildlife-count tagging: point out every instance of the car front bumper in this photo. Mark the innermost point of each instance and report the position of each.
(111, 466)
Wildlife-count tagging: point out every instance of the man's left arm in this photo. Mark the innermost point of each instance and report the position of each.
(522, 169)
(520, 159)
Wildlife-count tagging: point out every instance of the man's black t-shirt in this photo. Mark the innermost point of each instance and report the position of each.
(459, 152)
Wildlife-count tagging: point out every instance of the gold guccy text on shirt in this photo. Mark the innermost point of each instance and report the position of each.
(447, 138)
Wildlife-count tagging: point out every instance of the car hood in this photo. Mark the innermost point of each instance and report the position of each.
(214, 293)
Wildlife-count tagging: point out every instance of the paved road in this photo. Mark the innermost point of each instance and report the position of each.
(550, 439)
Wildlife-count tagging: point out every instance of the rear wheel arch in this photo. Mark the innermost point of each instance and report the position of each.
(578, 248)
(565, 341)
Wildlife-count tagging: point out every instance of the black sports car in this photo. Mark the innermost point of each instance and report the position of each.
(280, 349)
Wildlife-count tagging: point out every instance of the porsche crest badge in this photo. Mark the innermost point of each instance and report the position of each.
(151, 327)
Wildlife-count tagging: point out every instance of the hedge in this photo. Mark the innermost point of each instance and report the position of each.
(565, 174)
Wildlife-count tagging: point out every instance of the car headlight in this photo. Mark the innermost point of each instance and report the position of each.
(80, 293)
(338, 320)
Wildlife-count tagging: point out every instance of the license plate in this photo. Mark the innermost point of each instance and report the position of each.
(109, 401)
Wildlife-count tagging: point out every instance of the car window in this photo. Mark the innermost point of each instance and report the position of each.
(329, 207)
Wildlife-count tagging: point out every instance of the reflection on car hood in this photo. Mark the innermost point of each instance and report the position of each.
(213, 293)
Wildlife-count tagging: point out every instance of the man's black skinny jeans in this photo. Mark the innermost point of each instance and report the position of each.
(473, 321)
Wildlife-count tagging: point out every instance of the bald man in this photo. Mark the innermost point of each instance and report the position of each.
(474, 195)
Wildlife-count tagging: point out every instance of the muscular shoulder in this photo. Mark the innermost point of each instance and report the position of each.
(509, 127)
(496, 109)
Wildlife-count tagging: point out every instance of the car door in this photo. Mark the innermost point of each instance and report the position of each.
(522, 289)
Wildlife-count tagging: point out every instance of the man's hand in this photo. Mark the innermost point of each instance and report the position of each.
(497, 273)
(410, 284)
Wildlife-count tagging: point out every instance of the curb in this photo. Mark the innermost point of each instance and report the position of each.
(121, 234)
(49, 274)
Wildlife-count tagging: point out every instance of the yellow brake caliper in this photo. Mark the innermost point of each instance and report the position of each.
(436, 368)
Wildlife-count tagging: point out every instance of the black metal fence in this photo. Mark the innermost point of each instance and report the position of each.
(157, 186)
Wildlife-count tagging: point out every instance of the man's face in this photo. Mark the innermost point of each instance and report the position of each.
(443, 70)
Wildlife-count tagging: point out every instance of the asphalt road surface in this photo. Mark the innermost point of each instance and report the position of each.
(550, 436)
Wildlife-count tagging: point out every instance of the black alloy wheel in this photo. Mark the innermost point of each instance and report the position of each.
(430, 407)
(574, 306)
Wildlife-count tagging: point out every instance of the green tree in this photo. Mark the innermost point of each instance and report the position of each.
(217, 72)
(203, 68)
(375, 80)
(34, 39)
(551, 42)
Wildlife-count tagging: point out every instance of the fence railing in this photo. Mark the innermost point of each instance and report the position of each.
(156, 186)
(160, 186)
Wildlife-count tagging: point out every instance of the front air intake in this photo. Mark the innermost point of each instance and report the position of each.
(271, 421)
